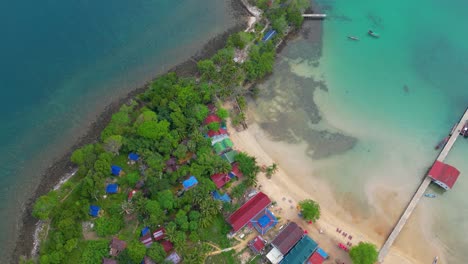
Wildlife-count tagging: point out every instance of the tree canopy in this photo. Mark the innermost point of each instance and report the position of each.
(310, 210)
(364, 253)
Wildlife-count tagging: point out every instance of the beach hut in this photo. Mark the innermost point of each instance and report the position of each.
(224, 198)
(174, 258)
(117, 246)
(159, 234)
(220, 179)
(94, 210)
(133, 157)
(248, 210)
(230, 156)
(112, 188)
(443, 175)
(217, 133)
(116, 170)
(257, 244)
(270, 34)
(301, 252)
(190, 182)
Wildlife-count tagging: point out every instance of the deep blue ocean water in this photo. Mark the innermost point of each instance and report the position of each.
(62, 62)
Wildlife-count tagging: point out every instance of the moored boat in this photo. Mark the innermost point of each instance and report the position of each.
(373, 34)
(442, 143)
(464, 130)
(430, 195)
(353, 38)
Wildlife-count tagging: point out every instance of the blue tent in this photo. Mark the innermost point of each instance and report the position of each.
(112, 188)
(145, 231)
(94, 210)
(133, 156)
(224, 198)
(115, 170)
(190, 182)
(269, 35)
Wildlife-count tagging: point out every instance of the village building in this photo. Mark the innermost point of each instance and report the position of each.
(257, 244)
(147, 260)
(248, 210)
(94, 210)
(264, 221)
(443, 175)
(301, 252)
(230, 156)
(167, 245)
(174, 258)
(220, 179)
(133, 158)
(190, 182)
(112, 188)
(284, 242)
(211, 119)
(116, 170)
(109, 261)
(318, 257)
(275, 256)
(235, 171)
(117, 246)
(159, 234)
(223, 198)
(145, 237)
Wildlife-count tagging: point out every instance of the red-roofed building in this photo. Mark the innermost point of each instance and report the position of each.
(257, 244)
(220, 179)
(236, 171)
(249, 210)
(287, 238)
(316, 258)
(220, 131)
(159, 234)
(211, 118)
(146, 240)
(167, 245)
(443, 174)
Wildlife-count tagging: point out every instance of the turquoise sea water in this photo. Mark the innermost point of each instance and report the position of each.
(64, 61)
(384, 104)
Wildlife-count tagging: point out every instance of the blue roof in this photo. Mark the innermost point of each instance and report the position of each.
(115, 170)
(145, 231)
(264, 221)
(112, 188)
(224, 198)
(133, 156)
(269, 35)
(94, 210)
(322, 253)
(190, 182)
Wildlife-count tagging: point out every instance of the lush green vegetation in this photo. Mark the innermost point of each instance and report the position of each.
(364, 253)
(310, 210)
(164, 125)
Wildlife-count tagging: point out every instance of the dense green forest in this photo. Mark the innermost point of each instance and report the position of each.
(165, 127)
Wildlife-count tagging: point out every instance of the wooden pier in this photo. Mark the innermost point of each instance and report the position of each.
(420, 192)
(314, 16)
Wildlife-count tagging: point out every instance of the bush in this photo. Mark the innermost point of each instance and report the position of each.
(105, 226)
(310, 210)
(364, 253)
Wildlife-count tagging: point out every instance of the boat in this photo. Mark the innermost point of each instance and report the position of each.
(353, 38)
(442, 143)
(464, 130)
(435, 260)
(373, 34)
(430, 195)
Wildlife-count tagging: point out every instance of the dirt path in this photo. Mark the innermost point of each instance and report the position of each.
(243, 243)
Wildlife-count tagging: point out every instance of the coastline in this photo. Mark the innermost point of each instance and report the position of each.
(60, 170)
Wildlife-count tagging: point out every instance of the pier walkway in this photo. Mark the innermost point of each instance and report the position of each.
(420, 192)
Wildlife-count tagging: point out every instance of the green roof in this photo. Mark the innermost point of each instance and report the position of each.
(301, 251)
(228, 143)
(230, 156)
(219, 148)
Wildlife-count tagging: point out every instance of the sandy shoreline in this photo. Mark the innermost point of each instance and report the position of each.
(287, 191)
(62, 166)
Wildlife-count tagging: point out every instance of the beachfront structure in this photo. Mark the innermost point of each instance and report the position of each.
(117, 246)
(318, 257)
(274, 256)
(235, 171)
(112, 188)
(174, 258)
(270, 34)
(116, 170)
(223, 198)
(301, 252)
(190, 183)
(220, 179)
(248, 210)
(443, 174)
(257, 244)
(230, 156)
(94, 210)
(159, 234)
(288, 238)
(264, 221)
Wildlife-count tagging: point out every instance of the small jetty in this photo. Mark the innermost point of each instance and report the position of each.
(442, 174)
(314, 16)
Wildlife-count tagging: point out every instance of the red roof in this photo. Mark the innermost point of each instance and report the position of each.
(444, 173)
(211, 118)
(248, 211)
(167, 245)
(286, 240)
(159, 233)
(236, 170)
(146, 240)
(131, 194)
(257, 244)
(220, 131)
(220, 179)
(316, 258)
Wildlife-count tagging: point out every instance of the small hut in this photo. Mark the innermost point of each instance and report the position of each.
(112, 188)
(116, 170)
(117, 246)
(190, 182)
(133, 158)
(94, 210)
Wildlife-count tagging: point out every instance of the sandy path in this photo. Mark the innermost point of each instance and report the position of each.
(287, 194)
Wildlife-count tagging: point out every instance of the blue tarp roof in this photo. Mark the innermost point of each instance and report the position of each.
(225, 197)
(112, 188)
(94, 210)
(115, 170)
(190, 182)
(133, 156)
(269, 35)
(322, 253)
(145, 231)
(264, 221)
